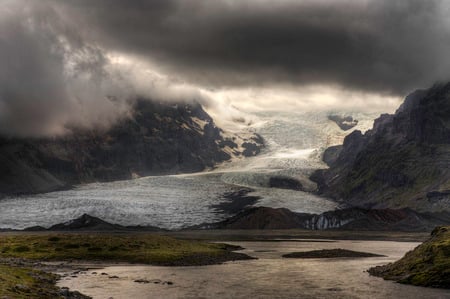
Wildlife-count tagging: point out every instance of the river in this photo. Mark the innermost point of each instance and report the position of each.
(270, 276)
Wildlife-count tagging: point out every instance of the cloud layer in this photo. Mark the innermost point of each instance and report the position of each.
(371, 45)
(81, 63)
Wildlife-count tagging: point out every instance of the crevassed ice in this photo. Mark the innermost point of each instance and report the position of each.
(294, 145)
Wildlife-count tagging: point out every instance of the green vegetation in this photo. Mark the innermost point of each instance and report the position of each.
(427, 265)
(19, 249)
(26, 283)
(148, 249)
(395, 175)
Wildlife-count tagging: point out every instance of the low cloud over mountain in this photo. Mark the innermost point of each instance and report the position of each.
(80, 63)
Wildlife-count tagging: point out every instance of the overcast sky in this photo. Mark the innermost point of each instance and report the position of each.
(67, 63)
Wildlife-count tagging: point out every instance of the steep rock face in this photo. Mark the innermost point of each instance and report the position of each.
(158, 138)
(404, 161)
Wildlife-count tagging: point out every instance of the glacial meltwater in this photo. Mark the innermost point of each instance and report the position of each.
(270, 276)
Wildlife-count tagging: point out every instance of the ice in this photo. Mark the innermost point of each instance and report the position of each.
(294, 143)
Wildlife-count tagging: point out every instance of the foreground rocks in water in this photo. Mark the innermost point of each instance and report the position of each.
(329, 253)
(157, 138)
(403, 161)
(25, 282)
(345, 219)
(427, 265)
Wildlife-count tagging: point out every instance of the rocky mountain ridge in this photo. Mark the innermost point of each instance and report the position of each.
(403, 162)
(355, 219)
(344, 219)
(160, 138)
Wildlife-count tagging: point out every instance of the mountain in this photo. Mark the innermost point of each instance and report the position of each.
(90, 223)
(402, 162)
(345, 219)
(158, 138)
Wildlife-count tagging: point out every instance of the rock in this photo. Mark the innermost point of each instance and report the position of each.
(113, 277)
(21, 288)
(64, 291)
(427, 265)
(330, 253)
(344, 122)
(402, 162)
(345, 219)
(157, 138)
(285, 183)
(90, 223)
(142, 281)
(331, 154)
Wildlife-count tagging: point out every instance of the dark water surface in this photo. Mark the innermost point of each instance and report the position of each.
(270, 276)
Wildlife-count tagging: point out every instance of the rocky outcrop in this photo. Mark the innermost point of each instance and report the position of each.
(259, 218)
(283, 182)
(269, 218)
(158, 138)
(427, 265)
(345, 123)
(330, 253)
(345, 219)
(331, 154)
(90, 223)
(402, 162)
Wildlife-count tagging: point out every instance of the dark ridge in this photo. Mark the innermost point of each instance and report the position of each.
(345, 219)
(90, 223)
(157, 139)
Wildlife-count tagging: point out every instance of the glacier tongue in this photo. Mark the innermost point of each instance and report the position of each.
(294, 145)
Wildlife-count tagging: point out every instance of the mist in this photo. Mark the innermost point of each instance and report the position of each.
(83, 63)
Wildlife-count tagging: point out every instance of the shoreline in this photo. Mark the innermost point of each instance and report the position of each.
(72, 266)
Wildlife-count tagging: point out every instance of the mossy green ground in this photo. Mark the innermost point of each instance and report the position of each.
(26, 283)
(16, 249)
(136, 248)
(427, 265)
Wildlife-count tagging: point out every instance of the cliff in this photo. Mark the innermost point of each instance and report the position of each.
(158, 138)
(403, 162)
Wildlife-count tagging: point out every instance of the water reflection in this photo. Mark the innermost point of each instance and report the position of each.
(268, 277)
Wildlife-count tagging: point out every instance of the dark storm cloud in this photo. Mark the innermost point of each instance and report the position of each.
(52, 79)
(62, 62)
(370, 45)
(49, 78)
